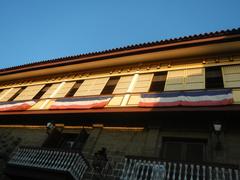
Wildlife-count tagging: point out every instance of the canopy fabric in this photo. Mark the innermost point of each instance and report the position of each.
(188, 98)
(81, 103)
(16, 106)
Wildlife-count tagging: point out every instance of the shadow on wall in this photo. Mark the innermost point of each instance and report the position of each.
(8, 142)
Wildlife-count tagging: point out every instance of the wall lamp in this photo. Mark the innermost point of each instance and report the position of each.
(217, 130)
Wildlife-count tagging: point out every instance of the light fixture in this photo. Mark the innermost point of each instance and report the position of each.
(218, 129)
(50, 126)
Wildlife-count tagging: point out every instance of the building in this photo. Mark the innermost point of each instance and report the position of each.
(163, 109)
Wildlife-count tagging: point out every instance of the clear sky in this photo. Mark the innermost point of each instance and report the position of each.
(36, 30)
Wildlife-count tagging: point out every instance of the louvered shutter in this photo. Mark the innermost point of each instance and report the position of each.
(123, 84)
(64, 89)
(29, 92)
(3, 93)
(231, 76)
(98, 86)
(194, 79)
(143, 83)
(116, 100)
(175, 80)
(91, 87)
(8, 93)
(236, 96)
(50, 91)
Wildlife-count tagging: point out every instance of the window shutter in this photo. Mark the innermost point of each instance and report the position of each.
(143, 83)
(195, 78)
(3, 92)
(123, 84)
(236, 96)
(175, 80)
(231, 76)
(64, 89)
(50, 91)
(186, 79)
(116, 100)
(29, 92)
(98, 86)
(8, 93)
(91, 87)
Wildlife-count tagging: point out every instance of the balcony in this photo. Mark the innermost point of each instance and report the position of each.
(46, 163)
(153, 169)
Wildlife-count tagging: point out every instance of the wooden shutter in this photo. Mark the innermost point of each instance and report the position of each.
(8, 93)
(50, 91)
(236, 96)
(231, 76)
(29, 92)
(91, 87)
(186, 79)
(175, 80)
(3, 93)
(143, 83)
(123, 84)
(116, 100)
(195, 79)
(64, 89)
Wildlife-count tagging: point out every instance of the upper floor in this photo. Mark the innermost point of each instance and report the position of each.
(194, 63)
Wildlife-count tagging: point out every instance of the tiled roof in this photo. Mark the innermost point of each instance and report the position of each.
(69, 59)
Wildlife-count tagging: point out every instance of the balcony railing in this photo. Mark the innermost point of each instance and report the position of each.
(140, 169)
(50, 159)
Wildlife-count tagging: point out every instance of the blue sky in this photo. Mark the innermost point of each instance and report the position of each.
(36, 30)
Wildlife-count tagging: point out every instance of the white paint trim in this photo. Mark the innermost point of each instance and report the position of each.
(133, 82)
(130, 89)
(52, 95)
(57, 89)
(44, 104)
(125, 99)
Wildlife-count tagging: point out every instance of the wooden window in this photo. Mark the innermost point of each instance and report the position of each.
(111, 84)
(158, 82)
(50, 91)
(143, 83)
(231, 76)
(42, 91)
(175, 80)
(74, 88)
(64, 89)
(214, 77)
(185, 79)
(3, 93)
(29, 92)
(91, 87)
(123, 84)
(16, 94)
(9, 93)
(194, 79)
(184, 149)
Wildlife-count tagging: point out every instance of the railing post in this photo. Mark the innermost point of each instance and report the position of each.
(180, 172)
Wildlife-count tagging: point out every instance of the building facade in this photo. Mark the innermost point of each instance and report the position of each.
(161, 110)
